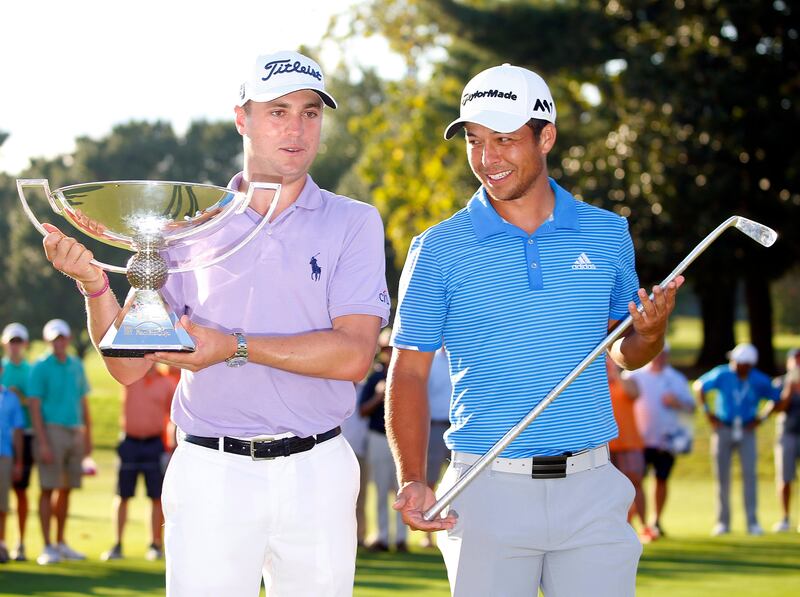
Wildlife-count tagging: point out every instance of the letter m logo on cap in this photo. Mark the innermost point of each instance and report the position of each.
(543, 106)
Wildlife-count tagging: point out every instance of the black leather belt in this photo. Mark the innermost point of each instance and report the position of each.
(264, 449)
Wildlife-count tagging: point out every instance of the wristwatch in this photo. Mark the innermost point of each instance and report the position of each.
(239, 357)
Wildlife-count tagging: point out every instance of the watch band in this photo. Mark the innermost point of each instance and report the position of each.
(238, 358)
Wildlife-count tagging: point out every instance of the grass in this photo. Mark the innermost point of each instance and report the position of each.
(688, 563)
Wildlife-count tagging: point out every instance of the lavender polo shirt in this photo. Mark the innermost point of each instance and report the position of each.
(321, 258)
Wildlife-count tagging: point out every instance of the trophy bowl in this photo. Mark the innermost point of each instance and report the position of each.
(152, 219)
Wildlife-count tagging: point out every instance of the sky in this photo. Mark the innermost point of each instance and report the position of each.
(75, 68)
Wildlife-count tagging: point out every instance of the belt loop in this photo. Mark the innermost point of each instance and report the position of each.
(221, 447)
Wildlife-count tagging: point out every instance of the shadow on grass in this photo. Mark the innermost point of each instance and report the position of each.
(399, 571)
(84, 578)
(703, 557)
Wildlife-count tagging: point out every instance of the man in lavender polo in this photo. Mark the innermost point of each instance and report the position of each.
(263, 483)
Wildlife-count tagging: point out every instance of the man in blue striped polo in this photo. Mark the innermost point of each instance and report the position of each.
(519, 287)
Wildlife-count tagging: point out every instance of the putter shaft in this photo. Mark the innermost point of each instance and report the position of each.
(758, 232)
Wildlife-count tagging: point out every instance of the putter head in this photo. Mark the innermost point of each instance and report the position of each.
(763, 235)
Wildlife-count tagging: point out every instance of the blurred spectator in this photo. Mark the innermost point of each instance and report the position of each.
(627, 449)
(787, 436)
(145, 406)
(15, 376)
(439, 390)
(11, 425)
(354, 429)
(59, 412)
(379, 456)
(663, 394)
(734, 418)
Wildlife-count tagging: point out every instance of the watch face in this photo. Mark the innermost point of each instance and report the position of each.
(236, 361)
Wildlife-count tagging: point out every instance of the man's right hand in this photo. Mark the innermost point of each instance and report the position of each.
(72, 258)
(413, 499)
(45, 454)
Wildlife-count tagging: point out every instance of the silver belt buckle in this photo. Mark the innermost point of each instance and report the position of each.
(253, 448)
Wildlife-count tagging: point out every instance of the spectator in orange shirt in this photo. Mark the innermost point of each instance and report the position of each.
(169, 435)
(145, 405)
(627, 450)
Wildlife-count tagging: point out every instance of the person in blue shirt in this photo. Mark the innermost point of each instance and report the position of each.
(11, 425)
(520, 286)
(15, 376)
(381, 466)
(734, 416)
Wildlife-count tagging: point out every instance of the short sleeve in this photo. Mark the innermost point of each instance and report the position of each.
(708, 381)
(358, 284)
(767, 390)
(422, 308)
(627, 282)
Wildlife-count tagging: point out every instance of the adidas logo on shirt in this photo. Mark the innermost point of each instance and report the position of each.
(583, 262)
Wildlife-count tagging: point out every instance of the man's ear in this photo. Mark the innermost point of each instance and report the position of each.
(547, 138)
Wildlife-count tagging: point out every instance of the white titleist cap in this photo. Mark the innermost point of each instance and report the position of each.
(744, 354)
(14, 330)
(55, 328)
(275, 75)
(503, 98)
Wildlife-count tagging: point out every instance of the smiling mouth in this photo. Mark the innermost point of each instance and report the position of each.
(498, 176)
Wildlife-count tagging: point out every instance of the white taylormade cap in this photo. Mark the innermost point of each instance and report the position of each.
(503, 98)
(744, 354)
(14, 330)
(275, 75)
(55, 328)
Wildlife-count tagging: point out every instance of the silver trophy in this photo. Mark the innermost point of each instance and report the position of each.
(170, 227)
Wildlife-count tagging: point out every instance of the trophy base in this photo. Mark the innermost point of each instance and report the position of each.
(133, 353)
(145, 325)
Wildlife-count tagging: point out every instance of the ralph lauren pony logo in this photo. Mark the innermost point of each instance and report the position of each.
(278, 67)
(316, 270)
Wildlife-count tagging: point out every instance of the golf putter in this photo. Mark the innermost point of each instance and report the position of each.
(758, 232)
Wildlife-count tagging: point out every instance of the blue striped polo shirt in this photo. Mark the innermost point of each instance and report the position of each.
(516, 313)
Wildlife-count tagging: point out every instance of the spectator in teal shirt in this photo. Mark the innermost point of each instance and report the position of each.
(734, 417)
(60, 416)
(15, 377)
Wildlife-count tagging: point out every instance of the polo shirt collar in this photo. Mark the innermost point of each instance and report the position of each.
(487, 222)
(310, 197)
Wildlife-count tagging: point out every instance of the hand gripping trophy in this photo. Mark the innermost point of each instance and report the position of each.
(157, 221)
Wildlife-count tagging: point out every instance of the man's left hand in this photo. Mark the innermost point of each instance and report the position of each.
(651, 321)
(211, 347)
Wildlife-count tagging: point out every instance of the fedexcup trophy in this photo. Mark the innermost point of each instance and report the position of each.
(155, 220)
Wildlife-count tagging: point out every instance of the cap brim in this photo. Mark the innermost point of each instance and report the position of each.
(497, 121)
(274, 94)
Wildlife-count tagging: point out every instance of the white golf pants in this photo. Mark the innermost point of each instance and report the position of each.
(231, 520)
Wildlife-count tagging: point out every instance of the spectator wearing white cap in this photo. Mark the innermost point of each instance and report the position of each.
(59, 412)
(15, 376)
(733, 413)
(262, 485)
(520, 286)
(664, 396)
(787, 436)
